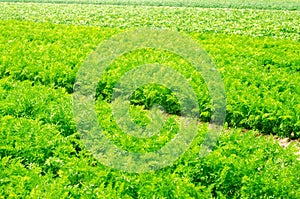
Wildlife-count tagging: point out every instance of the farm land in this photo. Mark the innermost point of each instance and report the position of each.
(255, 47)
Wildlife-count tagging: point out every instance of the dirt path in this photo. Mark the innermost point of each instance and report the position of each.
(285, 142)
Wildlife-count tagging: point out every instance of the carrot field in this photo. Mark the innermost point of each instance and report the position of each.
(51, 146)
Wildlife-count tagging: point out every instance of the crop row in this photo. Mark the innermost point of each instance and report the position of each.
(261, 75)
(257, 4)
(38, 159)
(259, 23)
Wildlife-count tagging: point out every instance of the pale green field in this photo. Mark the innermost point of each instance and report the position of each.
(258, 4)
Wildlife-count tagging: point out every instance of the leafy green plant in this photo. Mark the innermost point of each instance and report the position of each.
(48, 105)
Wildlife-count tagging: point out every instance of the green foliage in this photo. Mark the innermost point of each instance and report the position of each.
(260, 95)
(46, 54)
(281, 24)
(17, 133)
(41, 154)
(257, 4)
(261, 75)
(247, 166)
(240, 166)
(153, 94)
(48, 105)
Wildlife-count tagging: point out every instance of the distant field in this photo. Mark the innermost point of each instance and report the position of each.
(259, 23)
(259, 4)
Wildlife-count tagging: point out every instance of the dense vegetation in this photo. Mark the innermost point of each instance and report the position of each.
(281, 24)
(42, 47)
(258, 4)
